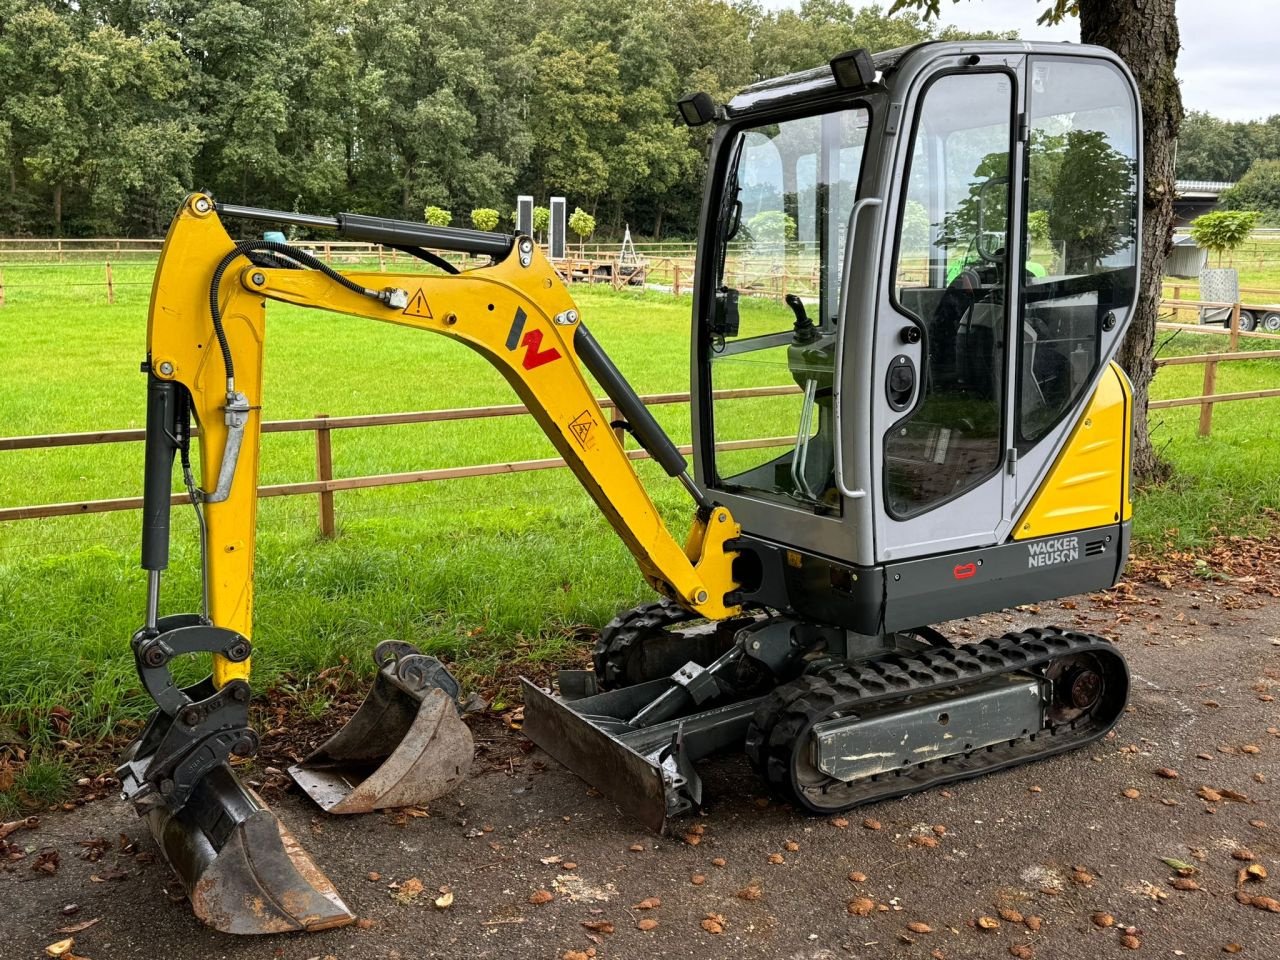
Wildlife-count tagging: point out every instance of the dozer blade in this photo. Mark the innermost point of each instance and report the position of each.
(405, 745)
(242, 869)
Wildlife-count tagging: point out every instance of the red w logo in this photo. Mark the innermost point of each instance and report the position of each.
(531, 341)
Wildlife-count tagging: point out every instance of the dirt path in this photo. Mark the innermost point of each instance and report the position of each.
(1057, 840)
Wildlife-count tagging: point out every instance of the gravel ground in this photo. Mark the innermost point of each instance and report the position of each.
(1046, 846)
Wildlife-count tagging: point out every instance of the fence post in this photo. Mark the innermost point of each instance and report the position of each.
(324, 471)
(382, 264)
(1, 287)
(111, 287)
(1211, 375)
(675, 279)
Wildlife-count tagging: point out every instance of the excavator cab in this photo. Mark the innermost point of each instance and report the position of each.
(914, 270)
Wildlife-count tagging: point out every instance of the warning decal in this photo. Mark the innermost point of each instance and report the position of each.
(418, 306)
(581, 427)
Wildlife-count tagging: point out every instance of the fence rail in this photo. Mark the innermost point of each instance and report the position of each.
(325, 484)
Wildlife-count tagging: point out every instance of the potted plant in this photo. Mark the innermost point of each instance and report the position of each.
(1221, 233)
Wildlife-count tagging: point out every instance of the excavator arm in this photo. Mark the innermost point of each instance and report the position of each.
(205, 339)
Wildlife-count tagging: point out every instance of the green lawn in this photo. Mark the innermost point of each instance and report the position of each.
(488, 571)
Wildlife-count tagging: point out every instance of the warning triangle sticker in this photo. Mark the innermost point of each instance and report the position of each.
(418, 306)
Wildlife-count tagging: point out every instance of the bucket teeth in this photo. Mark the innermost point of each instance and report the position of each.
(242, 869)
(405, 745)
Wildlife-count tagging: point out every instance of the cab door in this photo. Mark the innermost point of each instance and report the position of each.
(941, 407)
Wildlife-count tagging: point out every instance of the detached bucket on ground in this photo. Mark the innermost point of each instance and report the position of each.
(406, 744)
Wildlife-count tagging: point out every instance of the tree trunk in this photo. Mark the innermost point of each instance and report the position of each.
(1145, 35)
(57, 209)
(657, 224)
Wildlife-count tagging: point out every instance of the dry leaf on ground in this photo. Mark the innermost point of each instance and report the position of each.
(541, 896)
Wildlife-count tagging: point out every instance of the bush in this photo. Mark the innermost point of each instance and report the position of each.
(1258, 189)
(771, 226)
(437, 216)
(1223, 231)
(484, 218)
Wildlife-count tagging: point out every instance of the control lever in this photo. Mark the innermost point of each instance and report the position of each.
(805, 329)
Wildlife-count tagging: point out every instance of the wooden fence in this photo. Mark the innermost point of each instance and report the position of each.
(325, 485)
(1208, 397)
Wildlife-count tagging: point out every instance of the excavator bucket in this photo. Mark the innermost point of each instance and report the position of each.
(242, 869)
(406, 744)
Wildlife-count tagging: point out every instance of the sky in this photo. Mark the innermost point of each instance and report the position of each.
(1229, 64)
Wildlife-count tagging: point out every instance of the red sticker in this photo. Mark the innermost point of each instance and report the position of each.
(963, 571)
(532, 357)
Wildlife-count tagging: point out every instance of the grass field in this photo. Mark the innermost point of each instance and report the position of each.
(488, 572)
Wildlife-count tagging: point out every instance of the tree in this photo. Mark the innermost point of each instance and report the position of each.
(541, 221)
(1258, 189)
(485, 218)
(582, 224)
(1223, 230)
(771, 228)
(437, 216)
(1091, 212)
(1144, 33)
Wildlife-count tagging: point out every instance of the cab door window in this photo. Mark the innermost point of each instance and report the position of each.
(1081, 232)
(951, 279)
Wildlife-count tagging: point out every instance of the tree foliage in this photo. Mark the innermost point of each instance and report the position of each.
(1222, 231)
(111, 109)
(485, 218)
(582, 224)
(437, 216)
(1258, 189)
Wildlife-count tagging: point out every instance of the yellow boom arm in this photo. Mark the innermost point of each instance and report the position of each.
(516, 313)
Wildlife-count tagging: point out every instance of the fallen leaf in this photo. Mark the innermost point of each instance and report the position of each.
(47, 861)
(714, 923)
(1184, 883)
(636, 848)
(647, 923)
(1258, 824)
(918, 927)
(1167, 772)
(1011, 915)
(29, 823)
(576, 955)
(1022, 950)
(1242, 854)
(78, 927)
(1082, 877)
(1130, 942)
(1033, 923)
(1232, 948)
(365, 923)
(791, 846)
(1250, 748)
(987, 923)
(1270, 904)
(1103, 920)
(1209, 794)
(649, 903)
(1035, 790)
(937, 954)
(1256, 871)
(861, 906)
(698, 879)
(60, 949)
(939, 830)
(776, 858)
(839, 822)
(409, 891)
(693, 839)
(718, 862)
(541, 896)
(858, 877)
(1235, 795)
(445, 900)
(1131, 793)
(599, 926)
(1184, 869)
(568, 865)
(871, 823)
(373, 876)
(752, 891)
(924, 840)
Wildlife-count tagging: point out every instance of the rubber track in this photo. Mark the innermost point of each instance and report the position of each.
(780, 727)
(627, 629)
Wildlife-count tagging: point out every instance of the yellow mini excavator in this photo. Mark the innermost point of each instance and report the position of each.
(931, 427)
